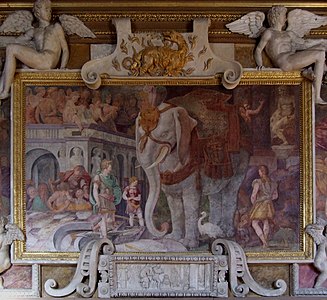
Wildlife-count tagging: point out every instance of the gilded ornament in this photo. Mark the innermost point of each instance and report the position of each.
(115, 64)
(123, 47)
(163, 60)
(192, 40)
(207, 63)
(203, 51)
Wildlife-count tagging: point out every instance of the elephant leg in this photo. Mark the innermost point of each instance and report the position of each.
(229, 203)
(216, 208)
(177, 217)
(191, 200)
(229, 194)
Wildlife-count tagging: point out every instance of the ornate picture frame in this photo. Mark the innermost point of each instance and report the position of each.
(254, 86)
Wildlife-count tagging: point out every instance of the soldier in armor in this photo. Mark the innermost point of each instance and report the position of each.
(105, 195)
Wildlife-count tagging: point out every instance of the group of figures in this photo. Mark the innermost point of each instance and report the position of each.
(76, 191)
(114, 112)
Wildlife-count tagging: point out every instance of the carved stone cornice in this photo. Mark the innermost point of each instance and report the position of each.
(149, 16)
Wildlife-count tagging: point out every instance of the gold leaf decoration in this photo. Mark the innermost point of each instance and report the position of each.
(150, 43)
(189, 57)
(166, 60)
(116, 64)
(192, 39)
(134, 39)
(189, 71)
(203, 51)
(207, 64)
(123, 46)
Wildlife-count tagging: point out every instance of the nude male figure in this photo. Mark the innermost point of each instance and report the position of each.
(290, 52)
(50, 45)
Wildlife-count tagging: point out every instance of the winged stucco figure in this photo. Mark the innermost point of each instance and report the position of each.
(39, 47)
(287, 48)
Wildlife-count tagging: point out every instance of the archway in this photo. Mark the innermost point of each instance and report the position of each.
(41, 166)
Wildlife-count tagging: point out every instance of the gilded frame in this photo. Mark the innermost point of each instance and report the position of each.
(24, 79)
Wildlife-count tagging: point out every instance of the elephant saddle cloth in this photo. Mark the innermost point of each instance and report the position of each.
(218, 132)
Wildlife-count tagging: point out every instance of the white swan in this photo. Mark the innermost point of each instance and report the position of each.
(209, 229)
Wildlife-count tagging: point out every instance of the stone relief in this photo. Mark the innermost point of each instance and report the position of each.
(161, 54)
(288, 49)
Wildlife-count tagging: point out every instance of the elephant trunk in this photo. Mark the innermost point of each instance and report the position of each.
(154, 192)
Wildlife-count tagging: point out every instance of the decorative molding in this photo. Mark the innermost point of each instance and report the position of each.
(162, 54)
(297, 291)
(160, 275)
(169, 4)
(25, 293)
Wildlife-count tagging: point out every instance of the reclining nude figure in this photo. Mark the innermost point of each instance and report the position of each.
(41, 47)
(50, 46)
(286, 48)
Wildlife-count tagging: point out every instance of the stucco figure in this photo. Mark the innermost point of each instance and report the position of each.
(318, 232)
(41, 47)
(9, 232)
(287, 48)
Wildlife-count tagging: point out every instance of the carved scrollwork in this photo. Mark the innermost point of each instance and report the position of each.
(87, 267)
(238, 269)
(231, 76)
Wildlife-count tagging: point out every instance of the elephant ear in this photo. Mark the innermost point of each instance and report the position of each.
(184, 126)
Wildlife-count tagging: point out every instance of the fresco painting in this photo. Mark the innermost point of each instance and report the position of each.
(70, 130)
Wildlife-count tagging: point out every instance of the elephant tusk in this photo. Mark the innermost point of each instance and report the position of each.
(163, 152)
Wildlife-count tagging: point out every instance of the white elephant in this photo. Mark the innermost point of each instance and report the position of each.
(167, 149)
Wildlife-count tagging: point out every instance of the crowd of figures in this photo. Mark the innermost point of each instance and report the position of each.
(115, 112)
(76, 190)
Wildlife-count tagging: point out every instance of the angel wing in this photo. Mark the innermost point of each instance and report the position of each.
(73, 25)
(302, 21)
(316, 232)
(18, 22)
(13, 233)
(250, 24)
